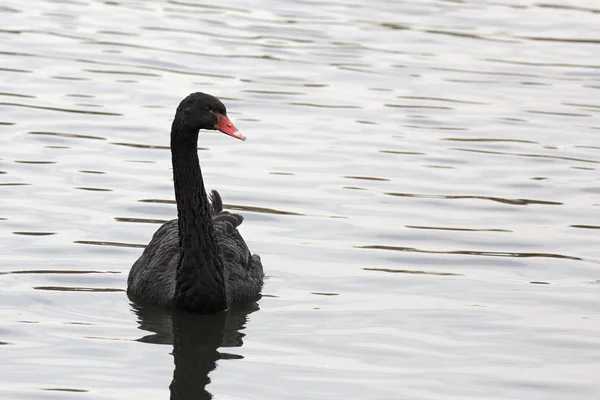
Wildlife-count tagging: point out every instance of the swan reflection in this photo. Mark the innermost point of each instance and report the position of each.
(196, 340)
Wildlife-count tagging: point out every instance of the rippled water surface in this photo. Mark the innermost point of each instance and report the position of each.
(421, 180)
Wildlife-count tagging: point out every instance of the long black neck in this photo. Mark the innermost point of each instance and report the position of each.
(199, 283)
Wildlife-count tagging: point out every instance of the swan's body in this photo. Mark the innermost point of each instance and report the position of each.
(152, 277)
(198, 262)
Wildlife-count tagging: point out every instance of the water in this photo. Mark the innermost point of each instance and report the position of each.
(420, 178)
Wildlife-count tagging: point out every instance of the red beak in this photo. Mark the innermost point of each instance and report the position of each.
(225, 125)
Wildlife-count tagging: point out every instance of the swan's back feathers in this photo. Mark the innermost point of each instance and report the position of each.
(216, 203)
(243, 270)
(152, 276)
(227, 222)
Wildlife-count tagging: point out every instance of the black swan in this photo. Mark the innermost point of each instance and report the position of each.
(198, 262)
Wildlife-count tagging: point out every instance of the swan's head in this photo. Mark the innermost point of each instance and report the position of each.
(203, 111)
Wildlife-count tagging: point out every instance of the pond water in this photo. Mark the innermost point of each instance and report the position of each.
(421, 180)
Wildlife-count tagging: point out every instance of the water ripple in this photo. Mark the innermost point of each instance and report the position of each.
(65, 110)
(412, 271)
(77, 289)
(528, 155)
(472, 252)
(514, 202)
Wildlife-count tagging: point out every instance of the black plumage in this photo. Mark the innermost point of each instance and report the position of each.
(198, 262)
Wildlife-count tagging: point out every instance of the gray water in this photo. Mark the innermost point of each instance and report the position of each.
(421, 180)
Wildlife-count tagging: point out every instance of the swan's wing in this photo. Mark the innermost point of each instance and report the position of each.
(243, 270)
(152, 276)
